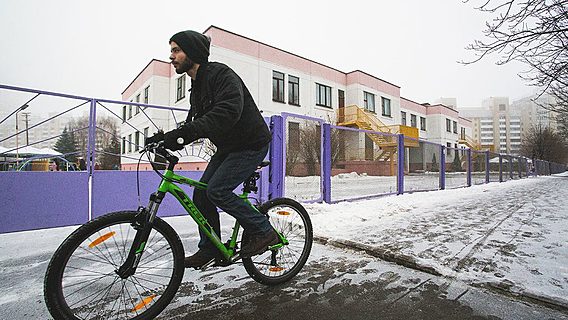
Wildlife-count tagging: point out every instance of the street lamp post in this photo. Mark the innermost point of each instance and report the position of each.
(23, 107)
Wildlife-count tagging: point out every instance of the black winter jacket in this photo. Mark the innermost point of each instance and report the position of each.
(223, 110)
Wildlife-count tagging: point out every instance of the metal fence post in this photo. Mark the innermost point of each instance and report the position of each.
(510, 166)
(442, 167)
(500, 168)
(469, 167)
(326, 162)
(90, 155)
(276, 172)
(91, 139)
(487, 164)
(400, 171)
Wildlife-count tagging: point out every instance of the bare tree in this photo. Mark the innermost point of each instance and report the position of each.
(106, 130)
(534, 32)
(310, 148)
(545, 144)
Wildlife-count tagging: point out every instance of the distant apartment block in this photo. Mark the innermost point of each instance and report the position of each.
(499, 125)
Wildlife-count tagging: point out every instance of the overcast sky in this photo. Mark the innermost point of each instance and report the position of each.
(96, 48)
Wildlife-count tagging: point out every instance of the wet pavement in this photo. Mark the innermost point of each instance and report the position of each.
(344, 284)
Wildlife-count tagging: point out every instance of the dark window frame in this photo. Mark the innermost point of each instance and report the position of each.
(180, 88)
(413, 121)
(278, 86)
(423, 123)
(293, 90)
(147, 95)
(369, 102)
(384, 109)
(403, 118)
(323, 95)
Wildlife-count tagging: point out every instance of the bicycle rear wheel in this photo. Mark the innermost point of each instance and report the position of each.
(81, 282)
(277, 266)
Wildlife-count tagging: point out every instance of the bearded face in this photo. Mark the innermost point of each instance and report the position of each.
(183, 66)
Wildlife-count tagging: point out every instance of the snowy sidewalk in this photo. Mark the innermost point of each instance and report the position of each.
(511, 236)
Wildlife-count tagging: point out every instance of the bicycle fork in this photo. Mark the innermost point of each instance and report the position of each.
(143, 223)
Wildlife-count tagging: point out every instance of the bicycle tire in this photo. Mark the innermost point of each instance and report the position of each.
(289, 218)
(88, 258)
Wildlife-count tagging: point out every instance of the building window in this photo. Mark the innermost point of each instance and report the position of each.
(136, 140)
(369, 101)
(386, 106)
(137, 101)
(146, 132)
(341, 98)
(147, 94)
(403, 118)
(448, 146)
(463, 133)
(123, 145)
(123, 113)
(180, 88)
(455, 127)
(413, 121)
(502, 107)
(130, 111)
(323, 95)
(422, 123)
(129, 143)
(448, 125)
(277, 86)
(294, 90)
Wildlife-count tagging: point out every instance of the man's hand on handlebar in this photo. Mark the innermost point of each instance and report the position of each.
(157, 137)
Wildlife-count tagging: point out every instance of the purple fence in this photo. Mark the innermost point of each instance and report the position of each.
(310, 160)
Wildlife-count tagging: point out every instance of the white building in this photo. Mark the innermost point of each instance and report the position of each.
(280, 81)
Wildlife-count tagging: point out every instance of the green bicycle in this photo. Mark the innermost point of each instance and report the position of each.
(129, 264)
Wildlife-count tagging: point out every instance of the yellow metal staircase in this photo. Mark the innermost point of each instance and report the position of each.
(354, 116)
(468, 141)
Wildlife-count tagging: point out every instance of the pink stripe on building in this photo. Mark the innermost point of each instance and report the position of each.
(412, 106)
(228, 40)
(154, 68)
(442, 109)
(465, 122)
(370, 81)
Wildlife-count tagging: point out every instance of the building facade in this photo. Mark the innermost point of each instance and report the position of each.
(279, 82)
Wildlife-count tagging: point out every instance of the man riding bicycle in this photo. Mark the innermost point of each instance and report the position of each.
(222, 110)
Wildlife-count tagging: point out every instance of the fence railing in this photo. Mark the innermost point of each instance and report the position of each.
(311, 160)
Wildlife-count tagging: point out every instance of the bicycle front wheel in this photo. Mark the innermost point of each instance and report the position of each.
(277, 266)
(81, 280)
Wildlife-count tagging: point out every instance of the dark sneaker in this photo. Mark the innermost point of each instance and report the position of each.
(257, 244)
(198, 259)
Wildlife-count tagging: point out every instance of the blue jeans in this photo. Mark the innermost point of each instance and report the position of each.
(224, 173)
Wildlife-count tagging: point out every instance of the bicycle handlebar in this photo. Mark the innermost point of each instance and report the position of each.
(159, 149)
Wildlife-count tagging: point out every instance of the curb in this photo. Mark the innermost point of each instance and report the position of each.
(410, 262)
(387, 255)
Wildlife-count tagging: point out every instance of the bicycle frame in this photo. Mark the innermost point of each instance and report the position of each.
(147, 215)
(168, 186)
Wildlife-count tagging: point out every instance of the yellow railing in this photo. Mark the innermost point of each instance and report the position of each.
(356, 116)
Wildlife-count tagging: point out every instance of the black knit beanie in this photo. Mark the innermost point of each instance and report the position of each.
(194, 44)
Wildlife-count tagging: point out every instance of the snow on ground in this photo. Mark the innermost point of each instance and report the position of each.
(352, 185)
(513, 234)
